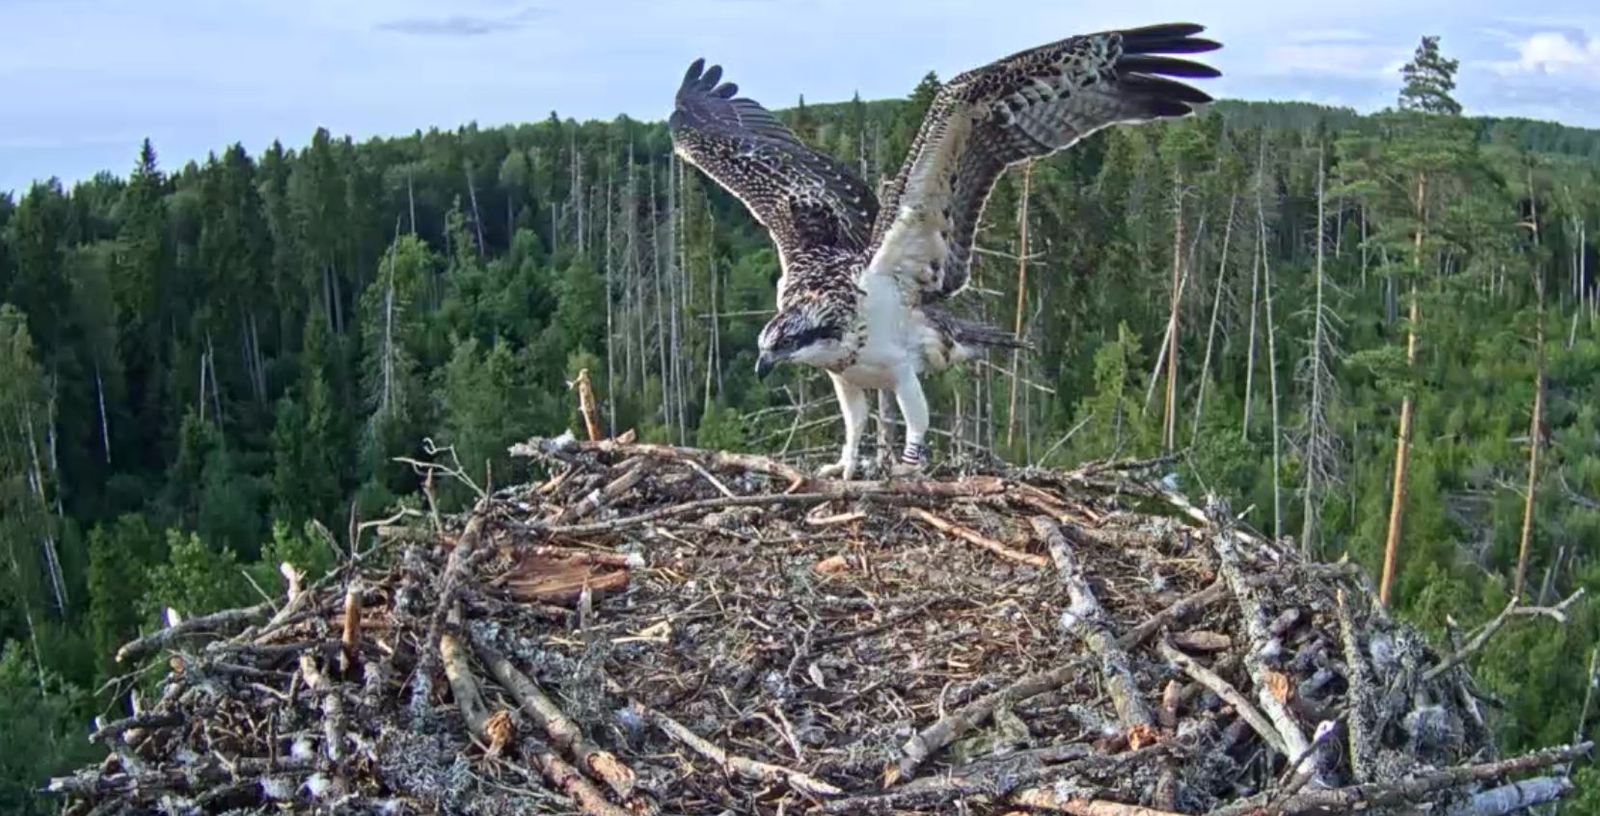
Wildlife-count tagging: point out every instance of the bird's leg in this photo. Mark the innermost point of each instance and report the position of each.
(886, 415)
(914, 407)
(853, 405)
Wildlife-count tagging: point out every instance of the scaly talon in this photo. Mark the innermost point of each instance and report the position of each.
(842, 470)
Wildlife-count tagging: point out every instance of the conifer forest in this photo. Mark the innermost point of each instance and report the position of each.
(1378, 334)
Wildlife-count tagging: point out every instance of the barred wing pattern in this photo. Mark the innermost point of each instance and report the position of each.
(817, 212)
(1028, 105)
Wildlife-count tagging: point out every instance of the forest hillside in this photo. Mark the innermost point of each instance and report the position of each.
(1377, 334)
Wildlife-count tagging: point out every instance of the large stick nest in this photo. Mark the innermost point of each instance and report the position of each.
(658, 629)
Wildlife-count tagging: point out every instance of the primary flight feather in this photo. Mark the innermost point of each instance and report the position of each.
(861, 280)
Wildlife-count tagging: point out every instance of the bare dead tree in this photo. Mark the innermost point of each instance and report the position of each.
(1272, 368)
(661, 312)
(100, 397)
(411, 200)
(1402, 448)
(675, 272)
(477, 217)
(1169, 413)
(1022, 295)
(386, 365)
(611, 326)
(1216, 310)
(1536, 424)
(38, 483)
(1250, 359)
(1319, 447)
(576, 191)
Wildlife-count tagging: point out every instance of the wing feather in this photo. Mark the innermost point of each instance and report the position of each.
(813, 207)
(1028, 105)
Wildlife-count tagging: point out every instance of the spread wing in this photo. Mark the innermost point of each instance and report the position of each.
(1028, 105)
(813, 207)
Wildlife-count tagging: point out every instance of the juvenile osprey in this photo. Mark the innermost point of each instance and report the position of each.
(860, 286)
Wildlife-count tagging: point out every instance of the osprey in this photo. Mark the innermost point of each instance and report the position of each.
(862, 280)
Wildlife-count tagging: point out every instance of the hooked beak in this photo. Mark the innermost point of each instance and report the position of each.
(764, 365)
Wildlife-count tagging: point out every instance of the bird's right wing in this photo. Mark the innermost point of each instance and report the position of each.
(811, 205)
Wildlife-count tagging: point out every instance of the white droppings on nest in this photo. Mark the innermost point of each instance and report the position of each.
(1271, 651)
(277, 788)
(1324, 728)
(635, 561)
(1069, 789)
(185, 756)
(318, 785)
(302, 749)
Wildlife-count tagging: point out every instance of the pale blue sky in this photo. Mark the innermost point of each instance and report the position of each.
(85, 80)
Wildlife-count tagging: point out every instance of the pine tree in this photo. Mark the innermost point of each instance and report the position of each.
(1429, 79)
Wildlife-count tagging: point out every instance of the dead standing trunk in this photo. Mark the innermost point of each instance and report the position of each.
(1022, 294)
(1216, 310)
(1169, 423)
(1402, 448)
(1535, 430)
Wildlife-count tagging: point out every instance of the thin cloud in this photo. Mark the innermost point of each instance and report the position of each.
(1334, 59)
(461, 25)
(1329, 35)
(1556, 53)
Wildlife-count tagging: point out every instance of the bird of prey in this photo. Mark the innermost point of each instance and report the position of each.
(864, 279)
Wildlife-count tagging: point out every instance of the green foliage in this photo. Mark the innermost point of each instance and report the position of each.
(121, 555)
(45, 722)
(1116, 423)
(721, 428)
(1429, 79)
(488, 406)
(196, 579)
(203, 365)
(308, 551)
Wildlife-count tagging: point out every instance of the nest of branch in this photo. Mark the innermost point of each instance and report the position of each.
(658, 629)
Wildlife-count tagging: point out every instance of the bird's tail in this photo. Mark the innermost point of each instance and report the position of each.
(975, 335)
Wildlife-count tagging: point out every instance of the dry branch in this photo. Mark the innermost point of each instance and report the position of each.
(764, 772)
(739, 645)
(1048, 800)
(1557, 613)
(930, 740)
(972, 537)
(1258, 629)
(1375, 794)
(938, 791)
(1222, 688)
(213, 624)
(1086, 619)
(564, 734)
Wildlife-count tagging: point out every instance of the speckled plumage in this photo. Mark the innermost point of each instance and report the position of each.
(860, 285)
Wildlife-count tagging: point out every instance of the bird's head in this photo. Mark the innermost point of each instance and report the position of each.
(802, 333)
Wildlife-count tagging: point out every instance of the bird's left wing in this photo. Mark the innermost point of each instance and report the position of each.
(809, 203)
(1028, 105)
